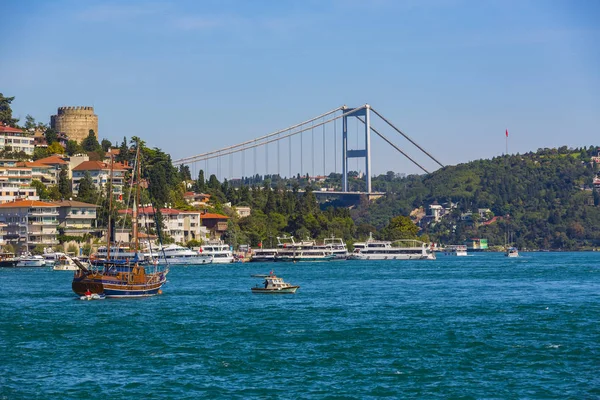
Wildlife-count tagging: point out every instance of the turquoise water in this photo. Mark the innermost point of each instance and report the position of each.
(477, 327)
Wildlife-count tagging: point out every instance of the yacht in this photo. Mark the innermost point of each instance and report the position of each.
(458, 250)
(178, 255)
(398, 250)
(31, 261)
(290, 250)
(220, 252)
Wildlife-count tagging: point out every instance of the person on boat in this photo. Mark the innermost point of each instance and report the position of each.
(266, 283)
(88, 292)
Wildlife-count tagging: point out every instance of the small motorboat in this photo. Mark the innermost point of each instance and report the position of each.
(93, 296)
(273, 284)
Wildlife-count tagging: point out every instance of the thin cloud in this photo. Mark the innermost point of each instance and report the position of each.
(119, 12)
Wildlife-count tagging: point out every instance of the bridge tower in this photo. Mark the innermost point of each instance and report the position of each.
(365, 153)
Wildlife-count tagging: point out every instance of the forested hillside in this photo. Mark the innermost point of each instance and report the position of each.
(546, 197)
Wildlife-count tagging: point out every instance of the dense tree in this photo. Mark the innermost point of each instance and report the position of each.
(56, 148)
(6, 111)
(73, 148)
(51, 136)
(64, 183)
(90, 143)
(86, 190)
(105, 144)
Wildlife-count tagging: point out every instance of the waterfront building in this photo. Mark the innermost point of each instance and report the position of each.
(76, 218)
(29, 223)
(182, 226)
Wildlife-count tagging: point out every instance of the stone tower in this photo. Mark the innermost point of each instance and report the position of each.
(76, 122)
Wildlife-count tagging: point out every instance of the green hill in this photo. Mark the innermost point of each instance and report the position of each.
(547, 199)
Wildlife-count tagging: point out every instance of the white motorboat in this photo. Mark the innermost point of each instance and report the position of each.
(273, 284)
(174, 254)
(512, 252)
(66, 263)
(385, 250)
(93, 296)
(221, 252)
(31, 261)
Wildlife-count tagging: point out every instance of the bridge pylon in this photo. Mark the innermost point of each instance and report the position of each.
(365, 153)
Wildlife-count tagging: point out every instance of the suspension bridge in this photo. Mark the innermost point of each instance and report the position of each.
(285, 152)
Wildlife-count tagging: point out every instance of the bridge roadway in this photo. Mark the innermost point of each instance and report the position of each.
(349, 198)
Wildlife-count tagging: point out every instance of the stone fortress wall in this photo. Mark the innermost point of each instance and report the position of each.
(76, 122)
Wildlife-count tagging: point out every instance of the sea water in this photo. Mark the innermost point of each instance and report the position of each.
(458, 327)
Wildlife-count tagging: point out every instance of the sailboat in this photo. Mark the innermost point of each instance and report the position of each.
(118, 277)
(511, 251)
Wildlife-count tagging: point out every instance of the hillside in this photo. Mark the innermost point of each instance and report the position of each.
(546, 197)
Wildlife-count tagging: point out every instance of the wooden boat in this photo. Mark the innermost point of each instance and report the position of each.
(273, 284)
(8, 260)
(121, 278)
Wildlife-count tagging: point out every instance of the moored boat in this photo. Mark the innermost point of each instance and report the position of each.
(274, 284)
(174, 254)
(288, 250)
(31, 261)
(387, 250)
(8, 260)
(221, 252)
(263, 255)
(458, 250)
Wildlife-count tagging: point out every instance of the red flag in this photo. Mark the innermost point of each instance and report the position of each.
(259, 244)
(507, 133)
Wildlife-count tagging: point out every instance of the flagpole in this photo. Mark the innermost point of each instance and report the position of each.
(507, 142)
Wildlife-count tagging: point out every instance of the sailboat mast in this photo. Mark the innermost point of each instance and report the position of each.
(137, 197)
(110, 196)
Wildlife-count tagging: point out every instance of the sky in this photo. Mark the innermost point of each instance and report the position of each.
(194, 76)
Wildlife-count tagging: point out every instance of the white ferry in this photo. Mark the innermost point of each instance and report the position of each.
(290, 250)
(220, 252)
(384, 250)
(174, 254)
(263, 255)
(336, 247)
(458, 250)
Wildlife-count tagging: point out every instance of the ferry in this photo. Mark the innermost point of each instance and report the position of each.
(458, 250)
(263, 255)
(336, 247)
(385, 250)
(221, 252)
(291, 251)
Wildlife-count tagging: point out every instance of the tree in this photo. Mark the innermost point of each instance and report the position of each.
(64, 183)
(123, 151)
(106, 144)
(86, 191)
(73, 148)
(40, 189)
(6, 111)
(90, 143)
(400, 227)
(38, 250)
(56, 148)
(184, 172)
(40, 152)
(51, 136)
(200, 182)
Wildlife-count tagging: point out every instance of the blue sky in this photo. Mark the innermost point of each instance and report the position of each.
(194, 76)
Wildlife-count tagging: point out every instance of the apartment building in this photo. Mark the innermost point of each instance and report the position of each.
(29, 223)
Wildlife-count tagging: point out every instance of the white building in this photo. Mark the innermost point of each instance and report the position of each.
(16, 139)
(100, 173)
(29, 223)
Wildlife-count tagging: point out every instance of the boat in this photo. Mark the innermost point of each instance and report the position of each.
(31, 261)
(512, 252)
(273, 284)
(178, 255)
(66, 263)
(93, 296)
(8, 260)
(117, 253)
(263, 255)
(337, 247)
(458, 250)
(220, 252)
(121, 278)
(288, 250)
(386, 250)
